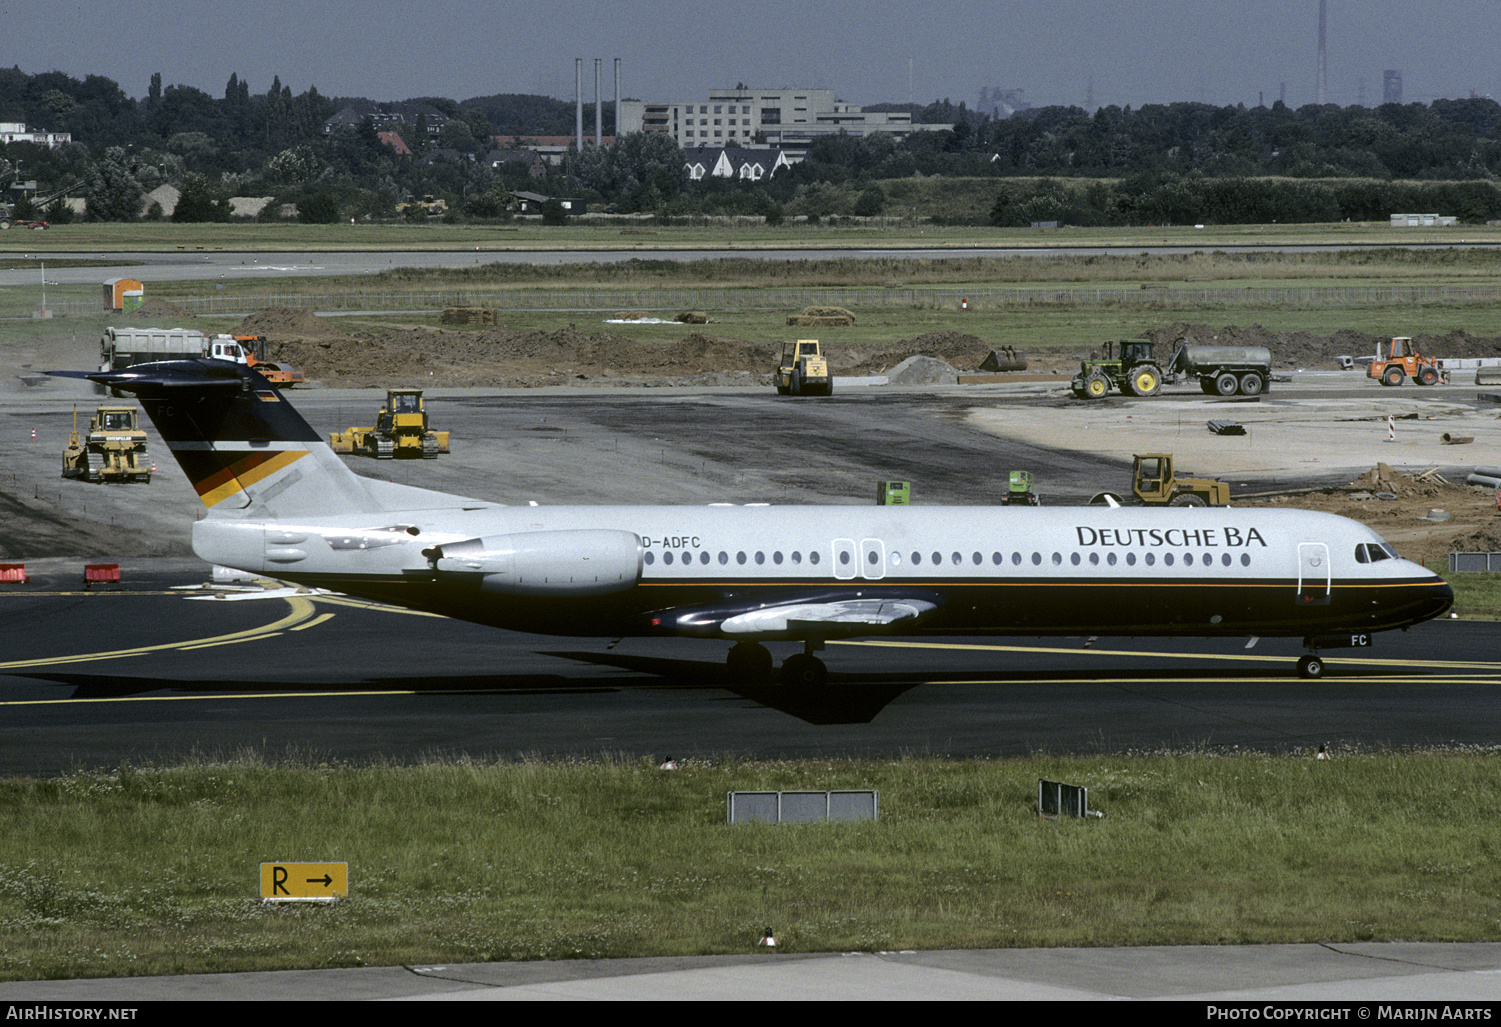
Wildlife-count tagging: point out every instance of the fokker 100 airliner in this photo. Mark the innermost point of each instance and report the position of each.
(281, 502)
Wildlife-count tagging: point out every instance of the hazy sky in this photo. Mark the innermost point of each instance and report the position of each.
(869, 51)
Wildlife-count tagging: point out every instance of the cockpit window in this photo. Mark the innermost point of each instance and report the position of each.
(1370, 552)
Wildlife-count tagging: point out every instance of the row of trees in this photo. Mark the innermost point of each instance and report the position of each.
(1157, 163)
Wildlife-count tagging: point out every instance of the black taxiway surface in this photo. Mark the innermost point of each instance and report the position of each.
(146, 672)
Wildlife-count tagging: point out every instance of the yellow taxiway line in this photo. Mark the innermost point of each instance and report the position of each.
(302, 611)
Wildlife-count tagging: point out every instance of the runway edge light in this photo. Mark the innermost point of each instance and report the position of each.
(304, 882)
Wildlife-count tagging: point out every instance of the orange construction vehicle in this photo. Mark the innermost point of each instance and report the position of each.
(1400, 361)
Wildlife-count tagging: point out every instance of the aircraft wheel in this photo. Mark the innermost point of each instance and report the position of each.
(1311, 667)
(749, 663)
(804, 670)
(1226, 384)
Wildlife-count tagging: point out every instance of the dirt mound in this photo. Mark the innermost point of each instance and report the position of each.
(1304, 349)
(1398, 507)
(154, 309)
(965, 352)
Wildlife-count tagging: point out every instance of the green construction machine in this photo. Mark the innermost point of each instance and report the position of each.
(1133, 371)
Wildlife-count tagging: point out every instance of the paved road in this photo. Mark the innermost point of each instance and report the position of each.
(209, 264)
(1350, 982)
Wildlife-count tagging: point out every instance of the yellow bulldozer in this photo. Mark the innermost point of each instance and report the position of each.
(114, 450)
(401, 430)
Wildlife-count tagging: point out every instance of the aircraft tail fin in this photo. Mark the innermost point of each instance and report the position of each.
(243, 447)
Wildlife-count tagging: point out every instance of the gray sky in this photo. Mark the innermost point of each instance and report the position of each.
(869, 51)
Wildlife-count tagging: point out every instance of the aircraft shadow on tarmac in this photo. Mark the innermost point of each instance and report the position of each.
(843, 699)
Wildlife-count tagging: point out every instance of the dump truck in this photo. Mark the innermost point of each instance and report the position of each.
(114, 450)
(122, 347)
(1153, 483)
(1400, 361)
(401, 430)
(803, 370)
(1223, 370)
(1131, 370)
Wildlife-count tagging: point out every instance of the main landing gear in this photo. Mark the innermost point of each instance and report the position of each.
(749, 663)
(1311, 667)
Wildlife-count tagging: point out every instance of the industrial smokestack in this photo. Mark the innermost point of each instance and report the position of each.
(578, 103)
(597, 105)
(615, 129)
(1323, 55)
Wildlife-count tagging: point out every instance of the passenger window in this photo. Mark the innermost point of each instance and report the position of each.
(995, 558)
(797, 557)
(1094, 559)
(776, 557)
(1057, 559)
(1016, 558)
(760, 558)
(650, 559)
(667, 559)
(740, 558)
(1073, 558)
(1225, 559)
(1167, 559)
(1110, 559)
(916, 558)
(937, 559)
(703, 557)
(813, 557)
(1245, 559)
(844, 556)
(1151, 559)
(1036, 559)
(1130, 559)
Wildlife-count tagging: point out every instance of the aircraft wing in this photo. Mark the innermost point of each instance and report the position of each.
(831, 616)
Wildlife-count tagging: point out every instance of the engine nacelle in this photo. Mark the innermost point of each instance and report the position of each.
(587, 562)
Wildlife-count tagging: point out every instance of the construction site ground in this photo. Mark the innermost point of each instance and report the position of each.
(1318, 426)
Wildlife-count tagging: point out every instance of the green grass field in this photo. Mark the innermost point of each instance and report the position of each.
(156, 870)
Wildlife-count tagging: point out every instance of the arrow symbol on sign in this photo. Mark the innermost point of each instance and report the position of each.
(325, 880)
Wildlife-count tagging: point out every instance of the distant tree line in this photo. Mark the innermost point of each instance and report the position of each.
(1158, 163)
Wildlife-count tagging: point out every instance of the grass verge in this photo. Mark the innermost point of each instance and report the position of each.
(154, 870)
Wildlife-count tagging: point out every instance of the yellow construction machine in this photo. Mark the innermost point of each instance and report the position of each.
(400, 430)
(803, 370)
(113, 451)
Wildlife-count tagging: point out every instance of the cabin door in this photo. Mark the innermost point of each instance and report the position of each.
(1313, 574)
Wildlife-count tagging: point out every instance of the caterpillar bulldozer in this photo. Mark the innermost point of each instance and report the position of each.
(114, 450)
(400, 430)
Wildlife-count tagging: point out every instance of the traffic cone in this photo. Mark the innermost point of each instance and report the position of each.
(33, 433)
(767, 939)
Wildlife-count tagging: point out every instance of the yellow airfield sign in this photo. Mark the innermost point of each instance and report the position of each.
(304, 882)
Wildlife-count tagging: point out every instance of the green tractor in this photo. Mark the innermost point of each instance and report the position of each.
(1134, 371)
